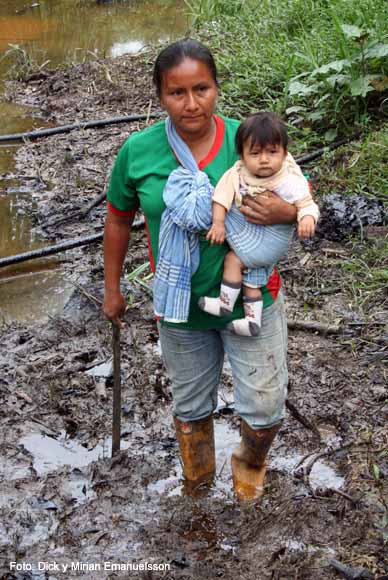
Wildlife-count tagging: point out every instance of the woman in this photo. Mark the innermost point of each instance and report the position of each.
(186, 82)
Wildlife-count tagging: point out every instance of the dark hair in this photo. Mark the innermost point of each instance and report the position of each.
(261, 129)
(175, 54)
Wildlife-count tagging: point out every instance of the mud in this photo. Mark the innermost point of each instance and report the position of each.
(343, 215)
(64, 500)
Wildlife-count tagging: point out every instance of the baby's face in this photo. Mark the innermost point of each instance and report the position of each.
(263, 161)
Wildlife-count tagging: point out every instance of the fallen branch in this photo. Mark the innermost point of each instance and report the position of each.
(353, 500)
(319, 327)
(96, 301)
(305, 471)
(305, 422)
(74, 126)
(348, 572)
(327, 453)
(81, 213)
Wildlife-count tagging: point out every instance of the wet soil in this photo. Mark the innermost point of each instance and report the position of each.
(64, 500)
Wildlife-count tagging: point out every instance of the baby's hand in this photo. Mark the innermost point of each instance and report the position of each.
(216, 234)
(306, 227)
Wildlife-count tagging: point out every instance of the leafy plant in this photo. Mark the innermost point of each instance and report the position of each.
(344, 86)
(142, 276)
(319, 63)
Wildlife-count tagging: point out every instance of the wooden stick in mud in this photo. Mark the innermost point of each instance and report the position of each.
(84, 125)
(116, 416)
(299, 417)
(350, 573)
(320, 327)
(81, 213)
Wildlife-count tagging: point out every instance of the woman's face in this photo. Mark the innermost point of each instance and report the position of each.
(189, 95)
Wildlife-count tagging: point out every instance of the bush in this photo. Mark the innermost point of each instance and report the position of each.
(322, 64)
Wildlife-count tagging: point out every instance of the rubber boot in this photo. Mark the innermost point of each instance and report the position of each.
(196, 444)
(248, 461)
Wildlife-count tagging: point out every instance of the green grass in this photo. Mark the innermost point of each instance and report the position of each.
(323, 67)
(141, 276)
(361, 167)
(24, 62)
(270, 56)
(366, 274)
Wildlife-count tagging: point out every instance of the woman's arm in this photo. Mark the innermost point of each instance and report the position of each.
(268, 209)
(116, 238)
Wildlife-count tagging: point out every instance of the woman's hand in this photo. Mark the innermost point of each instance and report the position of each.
(114, 306)
(268, 209)
(216, 234)
(116, 238)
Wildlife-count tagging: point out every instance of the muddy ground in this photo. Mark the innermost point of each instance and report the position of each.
(62, 498)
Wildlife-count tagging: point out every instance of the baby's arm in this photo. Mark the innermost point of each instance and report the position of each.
(216, 234)
(296, 190)
(307, 216)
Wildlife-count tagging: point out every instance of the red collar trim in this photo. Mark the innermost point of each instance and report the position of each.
(217, 144)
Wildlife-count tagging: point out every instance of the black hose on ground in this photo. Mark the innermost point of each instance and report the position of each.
(57, 248)
(68, 128)
(49, 250)
(319, 152)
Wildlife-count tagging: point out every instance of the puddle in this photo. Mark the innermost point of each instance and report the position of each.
(52, 30)
(227, 439)
(50, 454)
(78, 488)
(12, 471)
(321, 476)
(294, 545)
(30, 291)
(170, 486)
(104, 369)
(34, 296)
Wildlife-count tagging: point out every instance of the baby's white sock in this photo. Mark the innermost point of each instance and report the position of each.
(224, 304)
(250, 325)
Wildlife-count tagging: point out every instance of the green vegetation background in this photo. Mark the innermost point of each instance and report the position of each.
(323, 66)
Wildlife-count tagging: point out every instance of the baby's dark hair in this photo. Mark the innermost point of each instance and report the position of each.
(261, 129)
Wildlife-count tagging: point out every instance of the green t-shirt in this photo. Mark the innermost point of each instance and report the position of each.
(139, 175)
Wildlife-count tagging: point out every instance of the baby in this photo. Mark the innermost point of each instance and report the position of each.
(266, 165)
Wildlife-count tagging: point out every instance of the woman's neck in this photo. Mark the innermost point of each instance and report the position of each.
(200, 143)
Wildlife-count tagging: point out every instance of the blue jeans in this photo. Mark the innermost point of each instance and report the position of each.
(194, 360)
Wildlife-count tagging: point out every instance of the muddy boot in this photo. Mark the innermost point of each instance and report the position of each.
(248, 461)
(196, 444)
